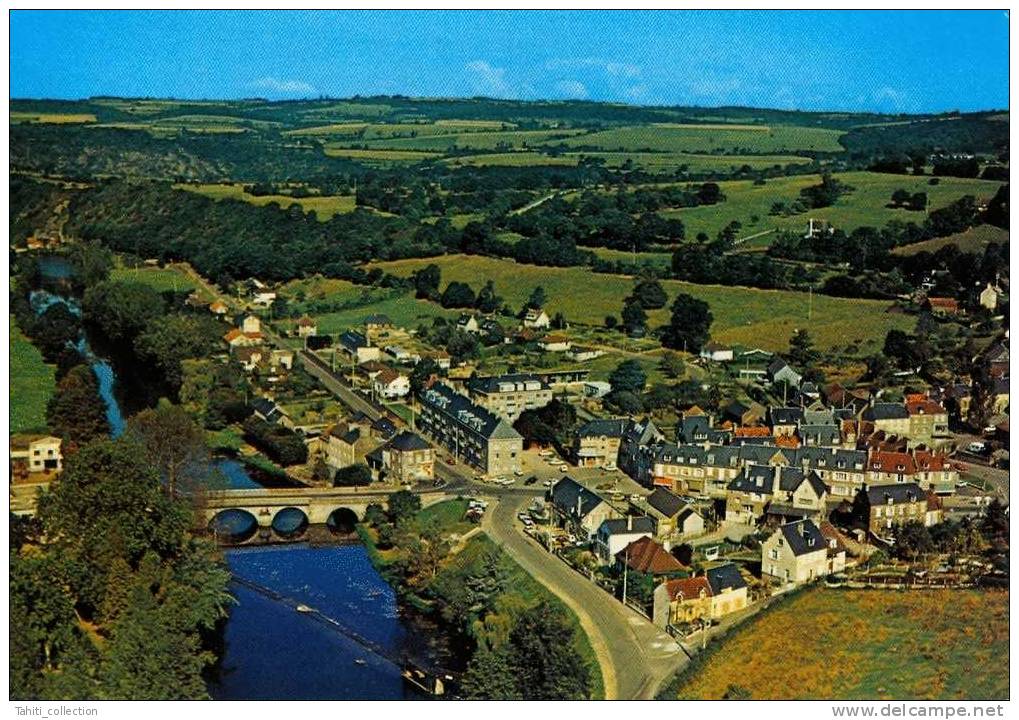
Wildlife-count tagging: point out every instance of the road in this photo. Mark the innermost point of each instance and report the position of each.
(634, 655)
(321, 372)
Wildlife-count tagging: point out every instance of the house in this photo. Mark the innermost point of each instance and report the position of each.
(596, 388)
(401, 355)
(838, 396)
(890, 417)
(554, 343)
(989, 297)
(377, 322)
(634, 455)
(306, 327)
(251, 324)
(646, 556)
(35, 454)
(249, 357)
(800, 552)
(744, 414)
(942, 305)
(263, 299)
(237, 338)
(579, 353)
(682, 601)
(777, 491)
(883, 508)
(358, 348)
(728, 590)
(716, 352)
(472, 433)
(281, 358)
(510, 395)
(596, 442)
(579, 508)
(267, 410)
(536, 319)
(342, 445)
(779, 371)
(998, 359)
(614, 534)
(390, 384)
(999, 391)
(404, 460)
(218, 308)
(673, 515)
(784, 420)
(468, 323)
(441, 358)
(928, 420)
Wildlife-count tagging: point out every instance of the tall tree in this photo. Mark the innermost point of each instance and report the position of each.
(543, 658)
(76, 412)
(689, 325)
(174, 443)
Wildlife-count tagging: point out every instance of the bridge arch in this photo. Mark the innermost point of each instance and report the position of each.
(290, 522)
(342, 521)
(233, 525)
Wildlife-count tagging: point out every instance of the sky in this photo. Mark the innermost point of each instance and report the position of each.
(912, 61)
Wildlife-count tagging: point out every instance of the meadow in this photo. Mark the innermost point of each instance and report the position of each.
(375, 155)
(746, 316)
(746, 139)
(855, 645)
(324, 206)
(160, 279)
(32, 383)
(484, 140)
(973, 240)
(52, 118)
(650, 161)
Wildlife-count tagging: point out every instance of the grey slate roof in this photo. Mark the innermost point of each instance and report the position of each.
(618, 526)
(785, 415)
(803, 537)
(407, 441)
(377, 319)
(724, 577)
(491, 383)
(886, 411)
(609, 427)
(898, 493)
(353, 340)
(568, 492)
(665, 502)
(454, 405)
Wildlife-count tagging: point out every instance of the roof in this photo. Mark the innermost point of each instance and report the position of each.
(627, 526)
(712, 346)
(388, 375)
(647, 556)
(785, 415)
(511, 382)
(665, 502)
(573, 498)
(943, 302)
(233, 335)
(377, 319)
(22, 441)
(895, 494)
(353, 340)
(609, 427)
(552, 339)
(266, 408)
(751, 431)
(891, 462)
(452, 404)
(688, 588)
(724, 577)
(924, 406)
(306, 322)
(407, 441)
(886, 411)
(803, 537)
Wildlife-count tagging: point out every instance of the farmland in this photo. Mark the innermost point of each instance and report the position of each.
(379, 155)
(972, 240)
(32, 383)
(664, 137)
(53, 118)
(324, 207)
(918, 644)
(756, 318)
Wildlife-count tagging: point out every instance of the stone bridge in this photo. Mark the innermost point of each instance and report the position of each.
(289, 511)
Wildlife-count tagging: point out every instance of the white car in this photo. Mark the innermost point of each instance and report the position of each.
(547, 483)
(564, 468)
(611, 467)
(518, 473)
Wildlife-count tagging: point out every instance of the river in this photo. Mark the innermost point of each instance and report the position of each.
(272, 652)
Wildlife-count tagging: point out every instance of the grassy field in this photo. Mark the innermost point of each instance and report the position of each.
(159, 279)
(379, 155)
(52, 118)
(653, 162)
(972, 240)
(477, 140)
(712, 138)
(855, 645)
(755, 318)
(32, 383)
(512, 159)
(324, 207)
(866, 205)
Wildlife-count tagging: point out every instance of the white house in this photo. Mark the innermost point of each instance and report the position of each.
(554, 343)
(536, 319)
(390, 384)
(989, 297)
(263, 299)
(716, 352)
(801, 552)
(615, 534)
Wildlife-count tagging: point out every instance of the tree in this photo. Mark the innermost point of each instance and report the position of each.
(903, 349)
(358, 475)
(650, 295)
(174, 443)
(912, 540)
(421, 373)
(488, 301)
(457, 295)
(672, 364)
(611, 321)
(76, 412)
(490, 676)
(801, 349)
(900, 197)
(536, 300)
(628, 376)
(426, 282)
(166, 342)
(92, 263)
(121, 310)
(543, 659)
(634, 317)
(689, 326)
(403, 506)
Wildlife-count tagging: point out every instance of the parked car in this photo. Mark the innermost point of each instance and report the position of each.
(977, 447)
(531, 480)
(564, 468)
(609, 466)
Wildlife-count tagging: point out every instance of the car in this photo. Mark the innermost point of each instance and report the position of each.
(564, 468)
(636, 498)
(547, 483)
(976, 447)
(531, 480)
(610, 467)
(518, 473)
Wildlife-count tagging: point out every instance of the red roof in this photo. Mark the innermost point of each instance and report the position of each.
(928, 460)
(306, 322)
(943, 303)
(647, 556)
(233, 335)
(921, 405)
(688, 588)
(787, 441)
(891, 462)
(751, 432)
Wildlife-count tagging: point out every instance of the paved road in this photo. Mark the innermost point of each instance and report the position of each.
(321, 372)
(635, 656)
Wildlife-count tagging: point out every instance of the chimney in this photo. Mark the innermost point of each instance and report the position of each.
(578, 505)
(629, 522)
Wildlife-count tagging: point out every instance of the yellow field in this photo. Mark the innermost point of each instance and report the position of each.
(324, 207)
(745, 316)
(380, 155)
(52, 118)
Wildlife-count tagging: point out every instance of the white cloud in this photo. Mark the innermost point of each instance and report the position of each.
(622, 69)
(572, 88)
(489, 80)
(283, 87)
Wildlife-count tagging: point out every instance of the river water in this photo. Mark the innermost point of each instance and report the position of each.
(272, 652)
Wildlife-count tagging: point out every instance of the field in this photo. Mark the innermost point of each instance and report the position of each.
(747, 316)
(159, 279)
(324, 206)
(484, 140)
(865, 206)
(854, 645)
(379, 156)
(52, 118)
(32, 383)
(746, 139)
(973, 240)
(652, 162)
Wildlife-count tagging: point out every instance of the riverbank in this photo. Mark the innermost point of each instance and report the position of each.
(454, 592)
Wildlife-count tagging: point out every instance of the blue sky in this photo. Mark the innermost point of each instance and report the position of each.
(888, 61)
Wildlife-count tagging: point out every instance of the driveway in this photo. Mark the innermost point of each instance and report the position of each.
(634, 655)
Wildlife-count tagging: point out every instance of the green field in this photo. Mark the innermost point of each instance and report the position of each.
(746, 139)
(748, 316)
(324, 206)
(32, 383)
(477, 140)
(159, 279)
(865, 206)
(379, 156)
(866, 644)
(653, 162)
(973, 240)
